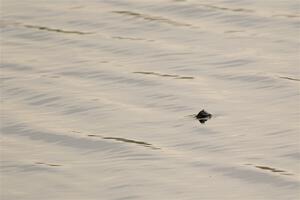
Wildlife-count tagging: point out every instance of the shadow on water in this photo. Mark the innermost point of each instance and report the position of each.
(165, 75)
(145, 144)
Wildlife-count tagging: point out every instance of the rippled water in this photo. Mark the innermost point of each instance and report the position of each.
(98, 99)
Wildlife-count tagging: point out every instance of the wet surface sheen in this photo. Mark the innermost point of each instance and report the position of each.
(98, 99)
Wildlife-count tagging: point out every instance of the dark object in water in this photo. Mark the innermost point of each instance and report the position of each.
(203, 116)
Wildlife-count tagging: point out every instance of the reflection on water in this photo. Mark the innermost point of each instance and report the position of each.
(203, 120)
(43, 28)
(287, 15)
(55, 30)
(226, 8)
(132, 38)
(272, 169)
(48, 164)
(289, 78)
(132, 71)
(269, 168)
(126, 140)
(151, 18)
(165, 75)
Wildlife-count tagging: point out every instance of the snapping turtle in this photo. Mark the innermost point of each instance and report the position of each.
(203, 116)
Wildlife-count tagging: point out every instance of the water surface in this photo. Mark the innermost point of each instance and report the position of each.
(98, 98)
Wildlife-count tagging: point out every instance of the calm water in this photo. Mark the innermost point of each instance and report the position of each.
(98, 98)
